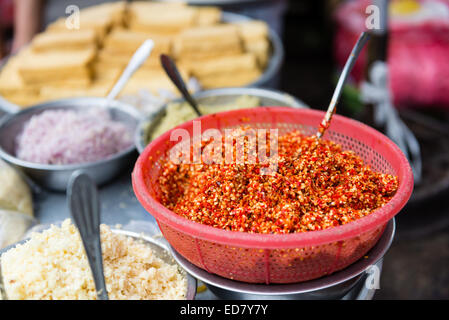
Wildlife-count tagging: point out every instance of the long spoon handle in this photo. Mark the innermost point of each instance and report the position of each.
(134, 64)
(363, 38)
(85, 210)
(173, 73)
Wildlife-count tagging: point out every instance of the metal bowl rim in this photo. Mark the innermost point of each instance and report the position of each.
(257, 92)
(350, 272)
(59, 104)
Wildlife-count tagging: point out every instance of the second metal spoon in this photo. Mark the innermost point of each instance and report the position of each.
(172, 71)
(363, 38)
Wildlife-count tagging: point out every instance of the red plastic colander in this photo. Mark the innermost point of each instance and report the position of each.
(276, 258)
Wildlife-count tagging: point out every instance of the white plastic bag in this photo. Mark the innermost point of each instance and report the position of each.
(13, 225)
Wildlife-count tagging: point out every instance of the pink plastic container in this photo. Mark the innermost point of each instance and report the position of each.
(261, 258)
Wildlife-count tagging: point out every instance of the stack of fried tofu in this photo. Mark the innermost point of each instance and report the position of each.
(216, 56)
(255, 37)
(101, 19)
(67, 62)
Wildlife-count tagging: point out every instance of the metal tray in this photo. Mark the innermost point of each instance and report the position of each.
(269, 77)
(159, 248)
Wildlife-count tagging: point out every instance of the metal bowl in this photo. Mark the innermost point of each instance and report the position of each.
(160, 250)
(268, 97)
(267, 79)
(334, 286)
(55, 177)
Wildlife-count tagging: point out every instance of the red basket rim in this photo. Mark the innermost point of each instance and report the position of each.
(273, 241)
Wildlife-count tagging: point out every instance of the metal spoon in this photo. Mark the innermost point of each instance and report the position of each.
(363, 38)
(85, 210)
(172, 71)
(134, 64)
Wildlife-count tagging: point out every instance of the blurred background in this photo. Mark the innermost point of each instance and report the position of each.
(317, 37)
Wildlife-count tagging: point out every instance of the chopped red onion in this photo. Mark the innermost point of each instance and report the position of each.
(72, 137)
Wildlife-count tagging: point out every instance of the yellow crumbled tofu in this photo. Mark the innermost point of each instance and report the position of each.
(52, 265)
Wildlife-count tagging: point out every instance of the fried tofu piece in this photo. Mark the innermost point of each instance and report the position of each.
(11, 83)
(167, 19)
(220, 64)
(101, 85)
(152, 80)
(24, 100)
(253, 29)
(95, 90)
(255, 36)
(99, 18)
(71, 67)
(105, 73)
(225, 71)
(114, 11)
(125, 41)
(208, 16)
(65, 40)
(237, 79)
(261, 49)
(101, 27)
(114, 59)
(12, 86)
(151, 6)
(204, 42)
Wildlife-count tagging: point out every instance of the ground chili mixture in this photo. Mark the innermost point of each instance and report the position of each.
(316, 186)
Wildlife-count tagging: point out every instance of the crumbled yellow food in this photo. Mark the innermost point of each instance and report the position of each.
(53, 265)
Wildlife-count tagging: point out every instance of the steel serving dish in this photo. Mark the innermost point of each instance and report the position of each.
(159, 248)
